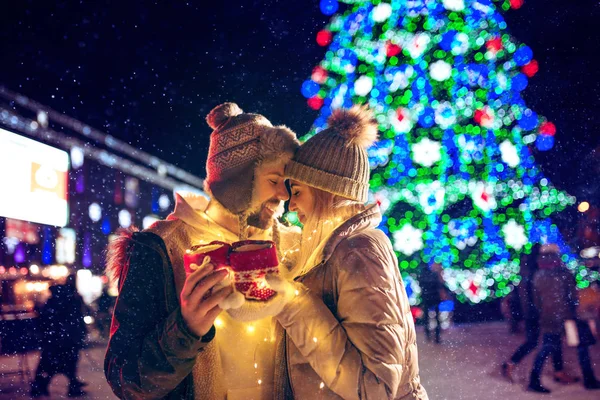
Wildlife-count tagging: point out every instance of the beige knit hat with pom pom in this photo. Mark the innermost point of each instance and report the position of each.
(239, 143)
(335, 160)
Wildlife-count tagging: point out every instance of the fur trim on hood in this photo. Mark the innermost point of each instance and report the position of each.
(118, 252)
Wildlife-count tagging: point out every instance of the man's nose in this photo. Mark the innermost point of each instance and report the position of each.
(282, 192)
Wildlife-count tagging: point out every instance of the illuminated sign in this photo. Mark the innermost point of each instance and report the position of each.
(33, 180)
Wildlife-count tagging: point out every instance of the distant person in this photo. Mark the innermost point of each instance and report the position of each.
(524, 295)
(432, 289)
(64, 333)
(105, 305)
(555, 296)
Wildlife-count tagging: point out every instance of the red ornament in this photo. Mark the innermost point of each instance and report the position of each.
(473, 288)
(315, 102)
(516, 4)
(324, 37)
(392, 49)
(484, 117)
(548, 128)
(531, 68)
(494, 44)
(478, 116)
(319, 74)
(484, 196)
(400, 114)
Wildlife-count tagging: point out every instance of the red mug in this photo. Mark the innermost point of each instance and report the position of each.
(217, 251)
(251, 261)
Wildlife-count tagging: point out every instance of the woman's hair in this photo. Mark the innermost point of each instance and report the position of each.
(329, 212)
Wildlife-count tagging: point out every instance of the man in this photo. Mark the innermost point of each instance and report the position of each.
(166, 341)
(432, 288)
(555, 296)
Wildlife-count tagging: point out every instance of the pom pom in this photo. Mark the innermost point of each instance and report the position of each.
(357, 125)
(222, 113)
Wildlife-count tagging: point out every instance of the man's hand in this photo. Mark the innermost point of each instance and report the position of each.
(198, 309)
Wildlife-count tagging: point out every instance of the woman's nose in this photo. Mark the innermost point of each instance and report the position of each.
(292, 205)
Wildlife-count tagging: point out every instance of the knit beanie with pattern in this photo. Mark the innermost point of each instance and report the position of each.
(238, 144)
(335, 160)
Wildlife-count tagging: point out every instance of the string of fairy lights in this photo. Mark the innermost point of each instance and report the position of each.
(453, 170)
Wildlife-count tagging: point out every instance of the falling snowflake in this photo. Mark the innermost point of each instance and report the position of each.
(408, 240)
(427, 152)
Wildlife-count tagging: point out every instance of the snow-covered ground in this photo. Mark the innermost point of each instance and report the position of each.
(466, 366)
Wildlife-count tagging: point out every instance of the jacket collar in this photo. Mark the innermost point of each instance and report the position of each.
(368, 219)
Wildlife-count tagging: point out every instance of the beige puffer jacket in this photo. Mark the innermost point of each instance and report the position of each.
(351, 334)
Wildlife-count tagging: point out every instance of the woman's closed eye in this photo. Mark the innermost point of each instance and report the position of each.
(273, 181)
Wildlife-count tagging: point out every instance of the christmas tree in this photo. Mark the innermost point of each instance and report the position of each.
(453, 170)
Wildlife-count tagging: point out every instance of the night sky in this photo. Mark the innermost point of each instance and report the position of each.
(148, 72)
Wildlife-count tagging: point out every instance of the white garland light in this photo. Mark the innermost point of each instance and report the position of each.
(454, 5)
(363, 85)
(514, 235)
(440, 71)
(408, 240)
(427, 152)
(381, 12)
(510, 154)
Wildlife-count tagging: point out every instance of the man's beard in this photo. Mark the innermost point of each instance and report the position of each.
(262, 218)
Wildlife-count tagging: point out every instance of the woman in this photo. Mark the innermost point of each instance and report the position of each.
(349, 331)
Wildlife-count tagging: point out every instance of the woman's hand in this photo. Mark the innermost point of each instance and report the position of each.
(253, 310)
